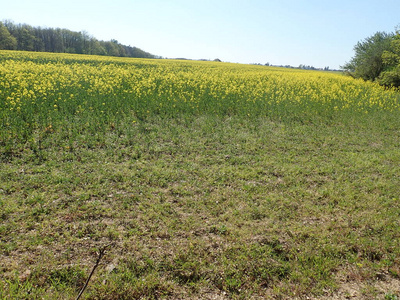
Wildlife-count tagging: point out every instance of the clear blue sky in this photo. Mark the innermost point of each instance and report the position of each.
(311, 32)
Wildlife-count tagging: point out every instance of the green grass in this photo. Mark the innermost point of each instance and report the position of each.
(200, 206)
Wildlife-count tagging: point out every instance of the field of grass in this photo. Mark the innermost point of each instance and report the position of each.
(205, 180)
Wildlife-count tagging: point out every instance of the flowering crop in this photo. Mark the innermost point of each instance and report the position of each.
(39, 89)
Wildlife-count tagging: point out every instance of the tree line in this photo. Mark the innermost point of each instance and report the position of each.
(377, 58)
(28, 38)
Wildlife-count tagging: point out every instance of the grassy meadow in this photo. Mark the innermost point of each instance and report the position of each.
(205, 180)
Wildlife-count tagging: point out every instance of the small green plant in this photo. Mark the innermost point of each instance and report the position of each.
(391, 296)
(67, 277)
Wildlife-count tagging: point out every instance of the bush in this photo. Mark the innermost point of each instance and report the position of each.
(367, 62)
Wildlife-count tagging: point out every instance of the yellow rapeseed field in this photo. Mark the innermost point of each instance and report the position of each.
(38, 87)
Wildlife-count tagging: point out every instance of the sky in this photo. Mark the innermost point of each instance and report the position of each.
(320, 33)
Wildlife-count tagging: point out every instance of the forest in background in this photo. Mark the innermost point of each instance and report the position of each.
(29, 38)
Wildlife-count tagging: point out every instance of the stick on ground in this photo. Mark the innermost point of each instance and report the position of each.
(101, 254)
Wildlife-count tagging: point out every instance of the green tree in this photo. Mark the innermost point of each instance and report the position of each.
(112, 48)
(367, 62)
(391, 75)
(7, 41)
(39, 43)
(26, 39)
(96, 48)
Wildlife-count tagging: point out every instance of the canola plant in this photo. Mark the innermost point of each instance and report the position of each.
(41, 89)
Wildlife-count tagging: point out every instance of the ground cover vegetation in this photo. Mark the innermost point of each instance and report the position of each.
(206, 180)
